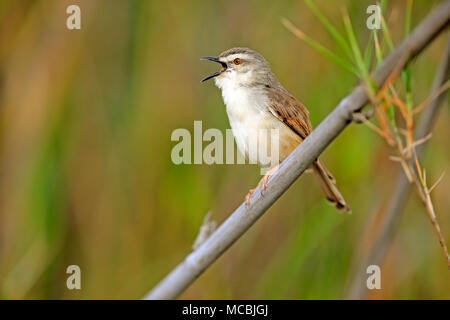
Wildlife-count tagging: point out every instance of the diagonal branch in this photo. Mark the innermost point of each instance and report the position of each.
(297, 162)
(402, 188)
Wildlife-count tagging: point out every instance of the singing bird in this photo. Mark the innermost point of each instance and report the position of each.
(256, 100)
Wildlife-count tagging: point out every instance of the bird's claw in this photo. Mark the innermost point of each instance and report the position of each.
(264, 184)
(248, 196)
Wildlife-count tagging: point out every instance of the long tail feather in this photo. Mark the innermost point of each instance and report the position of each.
(328, 184)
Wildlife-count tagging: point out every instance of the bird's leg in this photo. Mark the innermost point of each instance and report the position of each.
(262, 182)
(267, 175)
(249, 194)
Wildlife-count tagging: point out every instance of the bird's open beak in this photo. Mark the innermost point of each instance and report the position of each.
(224, 65)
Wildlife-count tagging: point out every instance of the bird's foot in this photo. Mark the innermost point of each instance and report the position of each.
(249, 194)
(262, 183)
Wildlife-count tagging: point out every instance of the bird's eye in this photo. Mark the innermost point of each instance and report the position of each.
(237, 61)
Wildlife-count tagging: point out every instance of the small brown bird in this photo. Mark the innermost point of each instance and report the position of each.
(255, 100)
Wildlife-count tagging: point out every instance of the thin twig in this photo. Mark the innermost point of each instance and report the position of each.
(424, 194)
(431, 97)
(207, 228)
(437, 182)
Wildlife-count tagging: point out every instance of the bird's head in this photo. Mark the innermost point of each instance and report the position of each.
(240, 67)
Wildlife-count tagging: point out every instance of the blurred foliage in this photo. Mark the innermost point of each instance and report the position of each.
(86, 176)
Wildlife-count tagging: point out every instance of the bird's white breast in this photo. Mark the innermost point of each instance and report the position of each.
(249, 117)
(246, 118)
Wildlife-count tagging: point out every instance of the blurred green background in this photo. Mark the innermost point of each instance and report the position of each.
(86, 176)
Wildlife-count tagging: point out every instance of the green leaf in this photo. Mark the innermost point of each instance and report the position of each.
(363, 72)
(317, 46)
(387, 34)
(406, 74)
(368, 53)
(340, 40)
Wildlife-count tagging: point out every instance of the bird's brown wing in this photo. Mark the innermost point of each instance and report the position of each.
(288, 110)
